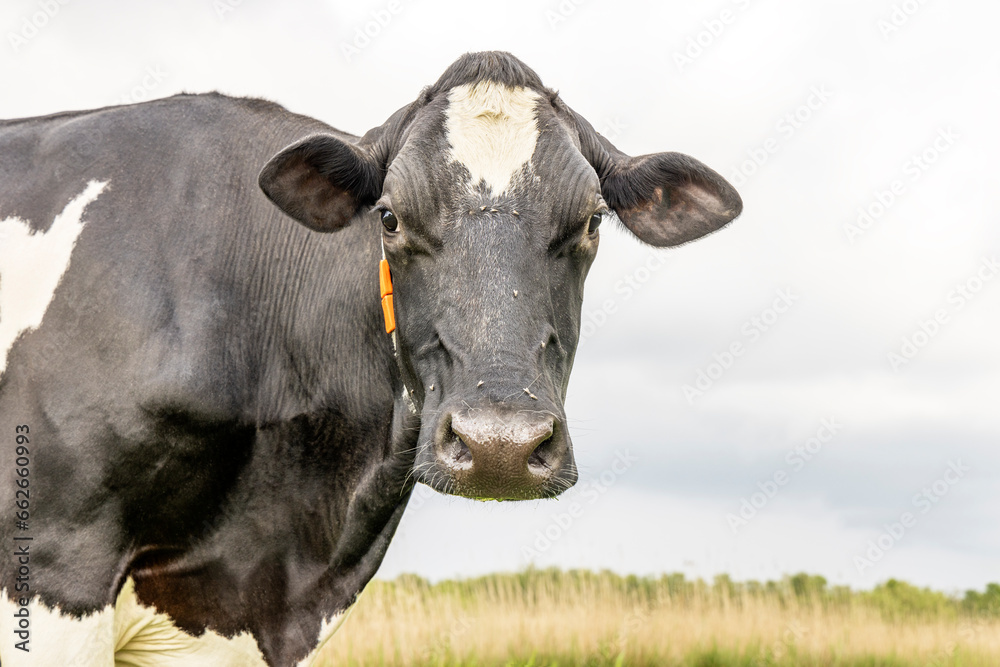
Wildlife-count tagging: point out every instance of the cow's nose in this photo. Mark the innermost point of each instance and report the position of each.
(504, 455)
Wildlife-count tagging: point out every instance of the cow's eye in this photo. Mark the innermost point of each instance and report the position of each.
(389, 220)
(595, 222)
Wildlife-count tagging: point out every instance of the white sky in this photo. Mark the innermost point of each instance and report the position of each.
(879, 98)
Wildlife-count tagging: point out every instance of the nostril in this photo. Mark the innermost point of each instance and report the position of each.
(462, 452)
(455, 453)
(540, 460)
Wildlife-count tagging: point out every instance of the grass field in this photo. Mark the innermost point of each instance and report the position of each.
(548, 618)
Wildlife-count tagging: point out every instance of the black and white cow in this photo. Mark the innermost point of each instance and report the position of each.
(207, 437)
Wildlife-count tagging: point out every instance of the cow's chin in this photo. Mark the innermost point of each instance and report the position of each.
(447, 482)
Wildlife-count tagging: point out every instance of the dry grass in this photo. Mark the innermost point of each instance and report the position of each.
(548, 620)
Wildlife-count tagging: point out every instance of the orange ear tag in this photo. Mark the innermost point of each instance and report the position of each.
(385, 291)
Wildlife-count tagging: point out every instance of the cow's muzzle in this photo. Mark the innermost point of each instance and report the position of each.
(492, 453)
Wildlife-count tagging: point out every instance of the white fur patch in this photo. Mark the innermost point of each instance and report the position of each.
(492, 131)
(54, 639)
(130, 634)
(327, 629)
(31, 266)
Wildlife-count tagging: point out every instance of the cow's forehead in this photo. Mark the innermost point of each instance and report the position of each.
(492, 130)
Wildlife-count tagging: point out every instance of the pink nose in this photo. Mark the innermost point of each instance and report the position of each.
(502, 454)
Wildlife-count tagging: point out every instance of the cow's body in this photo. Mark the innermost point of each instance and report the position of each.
(206, 430)
(211, 380)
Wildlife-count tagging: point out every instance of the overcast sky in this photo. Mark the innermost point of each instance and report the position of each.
(861, 403)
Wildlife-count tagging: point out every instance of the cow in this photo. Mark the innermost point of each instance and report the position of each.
(234, 338)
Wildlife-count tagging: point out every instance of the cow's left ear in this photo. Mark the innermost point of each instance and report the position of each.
(666, 199)
(322, 181)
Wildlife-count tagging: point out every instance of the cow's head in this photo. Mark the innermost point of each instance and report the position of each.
(489, 192)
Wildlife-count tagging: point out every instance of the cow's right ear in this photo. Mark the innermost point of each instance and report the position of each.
(322, 181)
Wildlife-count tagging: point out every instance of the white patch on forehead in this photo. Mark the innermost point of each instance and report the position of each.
(31, 266)
(130, 634)
(492, 131)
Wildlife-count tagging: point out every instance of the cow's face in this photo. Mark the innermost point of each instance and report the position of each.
(489, 193)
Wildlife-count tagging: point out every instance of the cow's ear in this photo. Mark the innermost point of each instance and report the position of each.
(322, 181)
(666, 199)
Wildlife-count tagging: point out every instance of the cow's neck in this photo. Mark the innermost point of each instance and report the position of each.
(312, 514)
